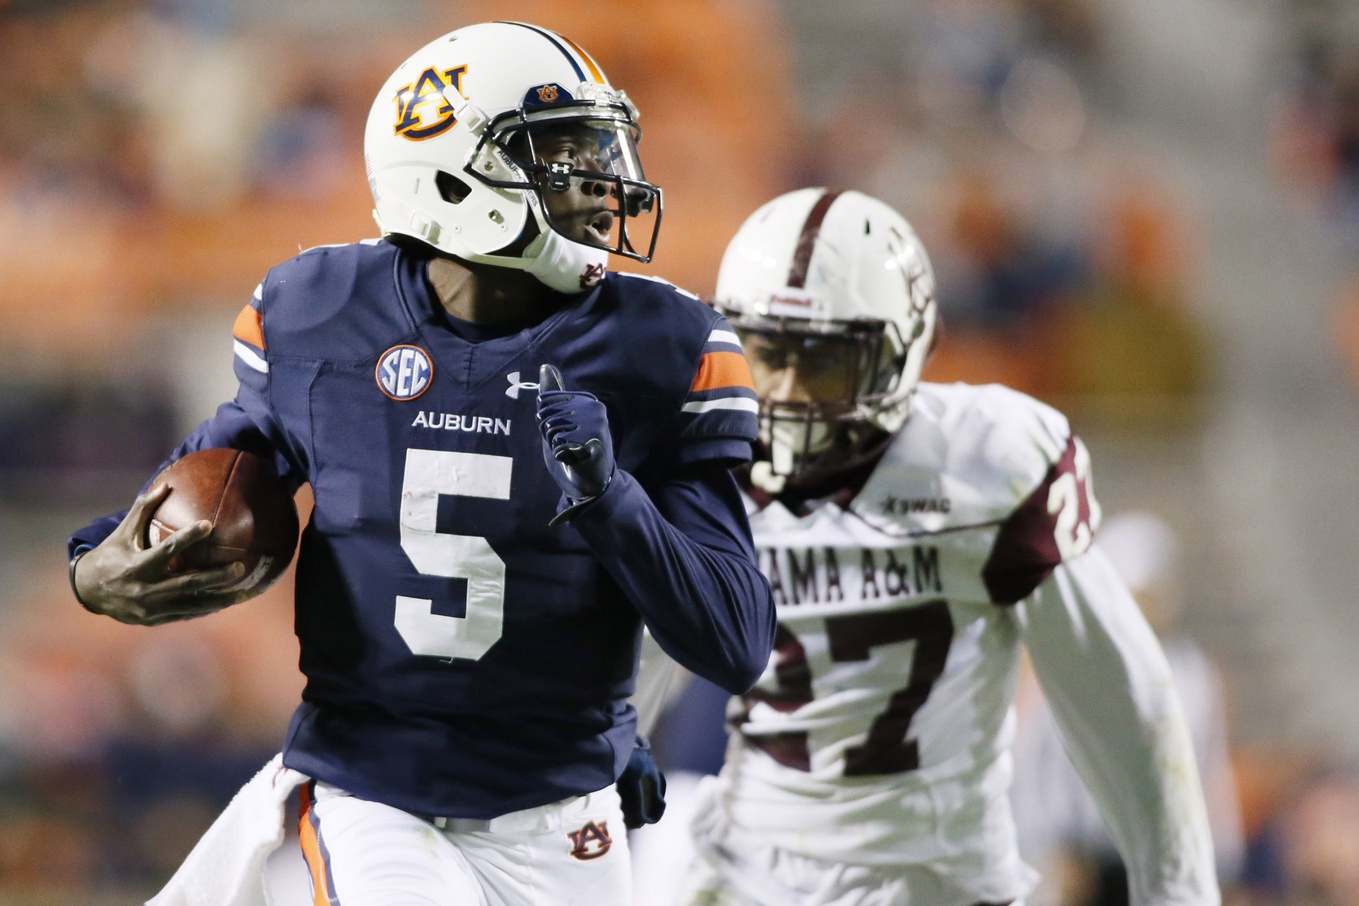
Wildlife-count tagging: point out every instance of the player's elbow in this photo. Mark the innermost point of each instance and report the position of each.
(732, 660)
(750, 651)
(742, 678)
(735, 676)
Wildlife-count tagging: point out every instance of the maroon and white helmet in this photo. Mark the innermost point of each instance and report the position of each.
(449, 152)
(836, 281)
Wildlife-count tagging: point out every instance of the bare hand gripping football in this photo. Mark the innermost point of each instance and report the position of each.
(577, 446)
(217, 527)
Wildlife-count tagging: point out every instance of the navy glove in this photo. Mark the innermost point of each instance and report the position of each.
(642, 788)
(576, 443)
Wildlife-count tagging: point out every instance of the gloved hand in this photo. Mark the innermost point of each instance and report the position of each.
(642, 788)
(576, 443)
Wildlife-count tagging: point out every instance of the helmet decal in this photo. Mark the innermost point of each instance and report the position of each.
(548, 94)
(412, 103)
(919, 281)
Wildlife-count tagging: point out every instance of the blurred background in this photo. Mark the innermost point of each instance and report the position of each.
(1144, 213)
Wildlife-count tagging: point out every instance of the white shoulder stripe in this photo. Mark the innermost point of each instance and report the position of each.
(724, 336)
(259, 292)
(739, 403)
(249, 357)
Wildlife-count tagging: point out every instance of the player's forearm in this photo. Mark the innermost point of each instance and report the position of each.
(1114, 701)
(707, 604)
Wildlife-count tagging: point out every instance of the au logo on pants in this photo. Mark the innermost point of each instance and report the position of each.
(591, 841)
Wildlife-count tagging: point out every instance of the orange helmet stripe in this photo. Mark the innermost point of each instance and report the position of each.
(589, 61)
(717, 370)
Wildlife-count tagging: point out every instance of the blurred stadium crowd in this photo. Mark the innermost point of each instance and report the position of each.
(157, 156)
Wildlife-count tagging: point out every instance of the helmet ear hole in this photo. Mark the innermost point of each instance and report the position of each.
(452, 189)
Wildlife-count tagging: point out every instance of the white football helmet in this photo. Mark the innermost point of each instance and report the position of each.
(450, 153)
(830, 291)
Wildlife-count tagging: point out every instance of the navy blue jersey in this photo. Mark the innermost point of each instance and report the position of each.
(462, 657)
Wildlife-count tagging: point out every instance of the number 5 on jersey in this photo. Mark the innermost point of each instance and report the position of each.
(428, 474)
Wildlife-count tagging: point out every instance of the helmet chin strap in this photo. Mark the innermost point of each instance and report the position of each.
(557, 262)
(566, 266)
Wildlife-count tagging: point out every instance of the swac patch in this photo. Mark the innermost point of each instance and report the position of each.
(404, 372)
(414, 118)
(593, 833)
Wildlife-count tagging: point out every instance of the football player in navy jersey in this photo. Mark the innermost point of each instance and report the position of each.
(918, 538)
(517, 460)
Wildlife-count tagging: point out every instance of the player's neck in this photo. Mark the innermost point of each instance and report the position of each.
(485, 295)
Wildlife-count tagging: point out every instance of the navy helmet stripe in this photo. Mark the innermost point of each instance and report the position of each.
(580, 73)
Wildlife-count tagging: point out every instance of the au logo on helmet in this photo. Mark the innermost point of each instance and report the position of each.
(414, 118)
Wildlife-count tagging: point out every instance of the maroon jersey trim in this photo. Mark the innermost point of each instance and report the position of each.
(1026, 550)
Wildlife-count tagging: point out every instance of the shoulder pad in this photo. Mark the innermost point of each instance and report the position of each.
(966, 456)
(334, 302)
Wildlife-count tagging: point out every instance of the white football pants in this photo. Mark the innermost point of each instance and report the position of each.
(362, 853)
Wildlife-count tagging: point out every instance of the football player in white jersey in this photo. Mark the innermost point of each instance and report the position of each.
(917, 538)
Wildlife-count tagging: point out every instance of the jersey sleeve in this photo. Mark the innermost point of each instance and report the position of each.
(719, 414)
(684, 556)
(1054, 523)
(247, 342)
(245, 423)
(1112, 696)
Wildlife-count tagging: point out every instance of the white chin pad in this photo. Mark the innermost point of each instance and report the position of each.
(566, 266)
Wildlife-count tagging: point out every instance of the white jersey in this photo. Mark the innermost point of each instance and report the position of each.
(880, 732)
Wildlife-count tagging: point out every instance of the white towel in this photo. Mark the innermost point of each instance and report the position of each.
(226, 866)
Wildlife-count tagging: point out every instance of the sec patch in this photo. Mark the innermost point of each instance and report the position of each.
(404, 372)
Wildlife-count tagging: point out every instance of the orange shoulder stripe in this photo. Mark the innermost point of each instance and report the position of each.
(722, 369)
(249, 327)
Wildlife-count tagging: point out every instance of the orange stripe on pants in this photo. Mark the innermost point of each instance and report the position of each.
(311, 850)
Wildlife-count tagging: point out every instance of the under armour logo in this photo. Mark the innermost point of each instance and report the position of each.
(516, 385)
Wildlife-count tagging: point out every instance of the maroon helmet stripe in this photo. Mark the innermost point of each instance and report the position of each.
(802, 258)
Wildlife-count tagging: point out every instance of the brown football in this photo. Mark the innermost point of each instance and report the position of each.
(254, 519)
